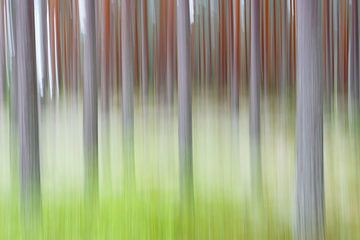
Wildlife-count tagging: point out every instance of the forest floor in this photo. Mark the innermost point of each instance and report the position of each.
(224, 206)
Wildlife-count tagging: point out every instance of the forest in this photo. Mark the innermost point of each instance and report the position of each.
(179, 119)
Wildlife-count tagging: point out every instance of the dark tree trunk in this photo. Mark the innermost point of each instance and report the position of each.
(90, 103)
(105, 91)
(234, 92)
(284, 79)
(354, 56)
(184, 95)
(255, 77)
(144, 52)
(336, 49)
(28, 109)
(309, 124)
(169, 52)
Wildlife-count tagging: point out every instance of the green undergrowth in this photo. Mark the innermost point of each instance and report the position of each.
(145, 216)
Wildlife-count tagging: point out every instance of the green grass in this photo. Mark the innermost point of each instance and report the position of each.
(146, 216)
(224, 207)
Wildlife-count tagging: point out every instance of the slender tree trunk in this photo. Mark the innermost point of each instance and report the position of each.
(284, 51)
(11, 75)
(235, 65)
(184, 95)
(28, 110)
(75, 48)
(135, 27)
(127, 93)
(2, 52)
(208, 67)
(336, 49)
(354, 53)
(41, 44)
(105, 91)
(358, 38)
(331, 53)
(169, 52)
(144, 51)
(234, 89)
(309, 124)
(247, 8)
(255, 77)
(90, 104)
(49, 49)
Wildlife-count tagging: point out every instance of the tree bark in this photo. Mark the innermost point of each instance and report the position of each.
(11, 74)
(255, 77)
(105, 90)
(309, 124)
(284, 52)
(28, 109)
(169, 52)
(234, 76)
(90, 104)
(127, 93)
(354, 56)
(144, 51)
(2, 52)
(184, 99)
(41, 44)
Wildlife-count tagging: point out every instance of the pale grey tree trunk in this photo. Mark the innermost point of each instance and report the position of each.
(184, 100)
(255, 77)
(90, 103)
(2, 52)
(127, 93)
(309, 214)
(41, 44)
(28, 109)
(11, 75)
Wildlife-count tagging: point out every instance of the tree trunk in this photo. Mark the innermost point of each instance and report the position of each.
(14, 110)
(127, 93)
(169, 52)
(354, 57)
(41, 43)
(2, 52)
(234, 76)
(284, 52)
(184, 95)
(336, 49)
(28, 110)
(144, 51)
(105, 91)
(309, 124)
(90, 103)
(255, 77)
